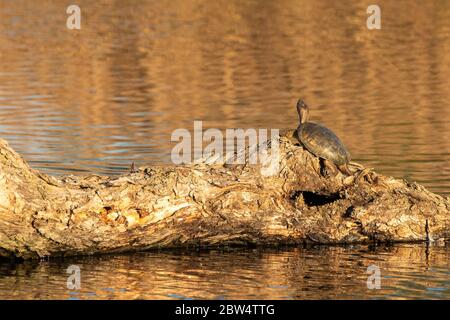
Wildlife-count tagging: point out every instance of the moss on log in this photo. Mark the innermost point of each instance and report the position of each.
(210, 205)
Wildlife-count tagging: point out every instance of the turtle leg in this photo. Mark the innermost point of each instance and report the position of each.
(293, 138)
(368, 175)
(327, 168)
(345, 169)
(133, 168)
(364, 173)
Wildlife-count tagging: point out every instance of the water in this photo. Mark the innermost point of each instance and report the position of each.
(407, 272)
(96, 99)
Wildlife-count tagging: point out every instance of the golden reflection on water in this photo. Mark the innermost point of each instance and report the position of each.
(407, 272)
(96, 99)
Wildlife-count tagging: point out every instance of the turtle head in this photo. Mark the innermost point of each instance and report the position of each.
(303, 111)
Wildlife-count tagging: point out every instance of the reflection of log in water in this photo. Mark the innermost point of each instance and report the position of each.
(317, 272)
(208, 205)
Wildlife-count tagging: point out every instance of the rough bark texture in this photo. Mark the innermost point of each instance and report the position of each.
(209, 205)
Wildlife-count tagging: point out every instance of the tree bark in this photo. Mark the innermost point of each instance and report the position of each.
(210, 205)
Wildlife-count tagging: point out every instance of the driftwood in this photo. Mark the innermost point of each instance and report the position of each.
(210, 205)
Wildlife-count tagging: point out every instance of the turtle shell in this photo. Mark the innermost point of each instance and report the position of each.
(323, 143)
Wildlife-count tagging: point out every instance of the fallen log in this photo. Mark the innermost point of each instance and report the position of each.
(210, 205)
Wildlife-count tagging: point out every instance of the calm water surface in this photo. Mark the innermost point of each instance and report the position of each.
(407, 272)
(96, 99)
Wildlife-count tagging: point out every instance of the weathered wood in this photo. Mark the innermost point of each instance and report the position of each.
(209, 205)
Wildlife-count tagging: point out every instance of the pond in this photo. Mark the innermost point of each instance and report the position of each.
(97, 99)
(406, 272)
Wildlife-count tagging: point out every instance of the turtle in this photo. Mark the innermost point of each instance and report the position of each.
(321, 142)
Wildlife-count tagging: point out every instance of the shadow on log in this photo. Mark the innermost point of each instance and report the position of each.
(210, 205)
